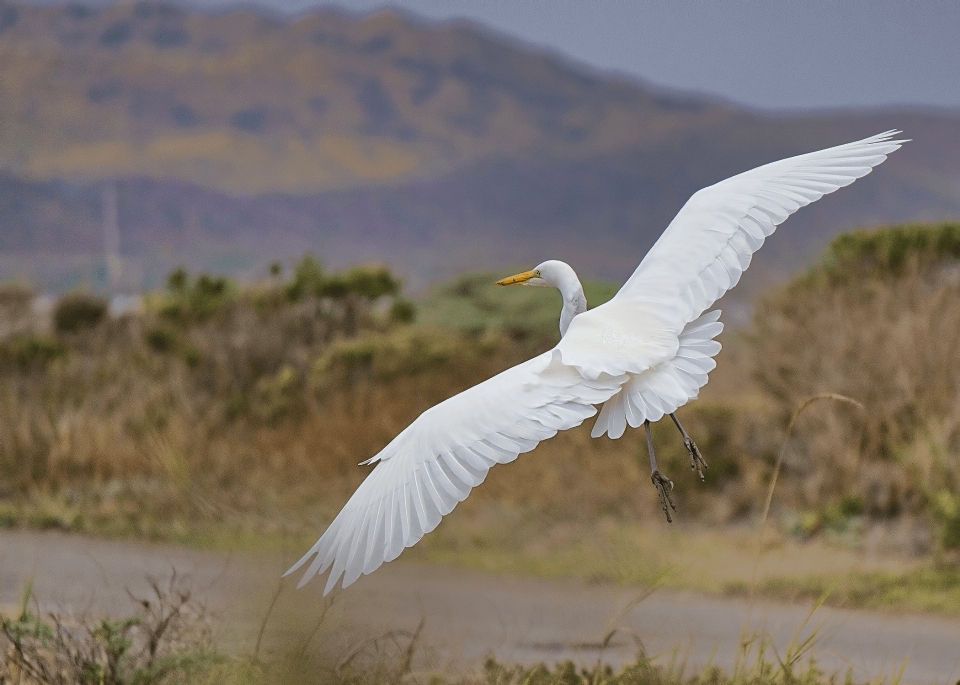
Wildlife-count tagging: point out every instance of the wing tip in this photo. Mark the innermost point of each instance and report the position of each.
(303, 560)
(886, 138)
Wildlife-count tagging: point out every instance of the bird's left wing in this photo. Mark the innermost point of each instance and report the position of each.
(708, 245)
(702, 254)
(434, 463)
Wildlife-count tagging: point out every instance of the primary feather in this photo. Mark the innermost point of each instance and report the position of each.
(641, 355)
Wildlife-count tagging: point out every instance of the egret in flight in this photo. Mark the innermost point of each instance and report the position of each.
(640, 356)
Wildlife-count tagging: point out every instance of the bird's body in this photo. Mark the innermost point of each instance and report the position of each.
(641, 355)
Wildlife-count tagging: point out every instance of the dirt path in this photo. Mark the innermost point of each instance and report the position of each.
(469, 614)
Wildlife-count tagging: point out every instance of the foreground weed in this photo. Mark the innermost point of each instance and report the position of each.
(166, 641)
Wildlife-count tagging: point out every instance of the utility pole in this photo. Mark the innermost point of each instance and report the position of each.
(111, 236)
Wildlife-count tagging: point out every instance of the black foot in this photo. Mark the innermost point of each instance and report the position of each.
(664, 486)
(696, 459)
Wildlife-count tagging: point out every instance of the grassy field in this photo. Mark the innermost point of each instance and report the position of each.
(233, 416)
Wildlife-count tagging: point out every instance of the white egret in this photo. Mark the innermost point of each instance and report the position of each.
(641, 356)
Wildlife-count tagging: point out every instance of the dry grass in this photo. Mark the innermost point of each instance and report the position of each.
(228, 416)
(889, 339)
(247, 409)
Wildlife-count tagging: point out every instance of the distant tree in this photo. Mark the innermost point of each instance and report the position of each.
(177, 280)
(403, 310)
(195, 300)
(77, 311)
(371, 282)
(307, 279)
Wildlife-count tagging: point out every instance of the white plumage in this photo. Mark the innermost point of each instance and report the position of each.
(641, 355)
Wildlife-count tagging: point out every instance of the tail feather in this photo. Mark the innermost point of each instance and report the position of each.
(666, 387)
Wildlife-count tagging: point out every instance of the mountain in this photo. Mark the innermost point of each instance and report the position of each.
(247, 103)
(165, 136)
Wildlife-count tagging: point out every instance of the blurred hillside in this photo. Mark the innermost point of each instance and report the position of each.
(162, 136)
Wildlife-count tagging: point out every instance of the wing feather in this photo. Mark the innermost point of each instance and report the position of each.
(682, 265)
(434, 463)
(378, 540)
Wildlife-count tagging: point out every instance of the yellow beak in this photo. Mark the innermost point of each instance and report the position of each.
(519, 278)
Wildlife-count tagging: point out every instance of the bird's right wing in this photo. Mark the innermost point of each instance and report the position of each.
(709, 244)
(434, 463)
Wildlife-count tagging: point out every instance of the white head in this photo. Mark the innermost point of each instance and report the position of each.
(556, 274)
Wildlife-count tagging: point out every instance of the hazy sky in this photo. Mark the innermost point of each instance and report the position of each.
(783, 54)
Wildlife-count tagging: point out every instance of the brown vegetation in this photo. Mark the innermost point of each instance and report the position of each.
(878, 322)
(226, 410)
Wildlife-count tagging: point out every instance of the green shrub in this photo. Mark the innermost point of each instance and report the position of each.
(946, 509)
(30, 350)
(278, 395)
(77, 311)
(185, 301)
(161, 339)
(191, 356)
(402, 311)
(307, 279)
(208, 296)
(369, 282)
(890, 251)
(405, 352)
(177, 280)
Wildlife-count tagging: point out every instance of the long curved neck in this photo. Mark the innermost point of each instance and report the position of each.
(574, 302)
(562, 277)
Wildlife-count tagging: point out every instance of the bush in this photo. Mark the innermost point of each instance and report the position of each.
(946, 509)
(307, 279)
(369, 282)
(888, 251)
(29, 350)
(384, 357)
(403, 311)
(78, 311)
(185, 301)
(880, 253)
(278, 396)
(177, 280)
(161, 339)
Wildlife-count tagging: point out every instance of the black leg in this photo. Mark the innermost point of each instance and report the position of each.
(696, 459)
(663, 484)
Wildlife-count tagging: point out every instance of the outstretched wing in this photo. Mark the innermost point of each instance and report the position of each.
(434, 463)
(708, 245)
(699, 257)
